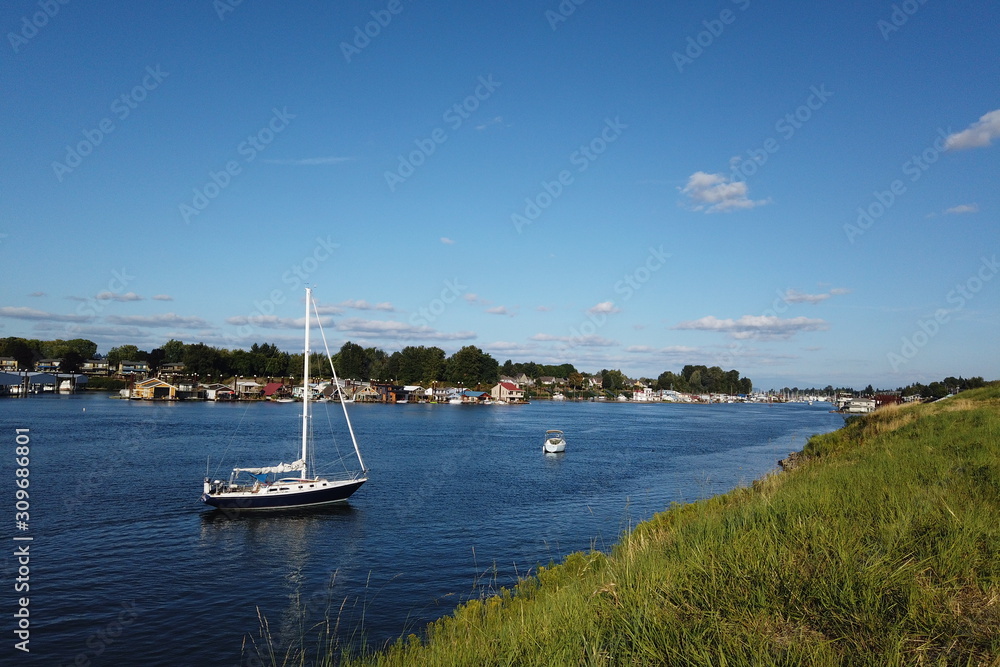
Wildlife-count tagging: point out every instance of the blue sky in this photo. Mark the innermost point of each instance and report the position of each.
(803, 192)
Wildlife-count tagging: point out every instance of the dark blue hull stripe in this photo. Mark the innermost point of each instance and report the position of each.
(333, 494)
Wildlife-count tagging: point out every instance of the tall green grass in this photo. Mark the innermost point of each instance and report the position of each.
(882, 548)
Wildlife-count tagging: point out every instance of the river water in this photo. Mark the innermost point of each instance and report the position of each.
(127, 566)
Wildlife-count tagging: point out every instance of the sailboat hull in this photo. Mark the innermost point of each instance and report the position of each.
(300, 493)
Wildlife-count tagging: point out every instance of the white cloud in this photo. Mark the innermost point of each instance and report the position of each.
(605, 307)
(361, 304)
(447, 241)
(398, 330)
(162, 320)
(496, 120)
(584, 341)
(270, 321)
(475, 299)
(795, 296)
(670, 349)
(977, 135)
(38, 294)
(111, 296)
(24, 313)
(162, 297)
(765, 327)
(715, 193)
(509, 348)
(962, 208)
(499, 310)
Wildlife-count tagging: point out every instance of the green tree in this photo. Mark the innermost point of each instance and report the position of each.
(173, 351)
(71, 362)
(470, 366)
(377, 363)
(155, 359)
(117, 355)
(352, 362)
(695, 383)
(575, 380)
(613, 380)
(59, 348)
(201, 360)
(20, 350)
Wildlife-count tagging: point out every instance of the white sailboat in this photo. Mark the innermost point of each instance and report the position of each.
(263, 488)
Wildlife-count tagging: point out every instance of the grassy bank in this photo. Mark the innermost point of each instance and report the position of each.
(882, 547)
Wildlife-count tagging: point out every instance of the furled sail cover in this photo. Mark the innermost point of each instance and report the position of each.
(277, 470)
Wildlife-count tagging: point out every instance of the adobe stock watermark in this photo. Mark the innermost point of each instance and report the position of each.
(436, 307)
(91, 307)
(121, 108)
(363, 35)
(958, 297)
(630, 283)
(104, 637)
(883, 200)
(248, 149)
(296, 276)
(698, 43)
(581, 158)
(223, 7)
(37, 21)
(779, 306)
(562, 12)
(786, 127)
(900, 15)
(454, 116)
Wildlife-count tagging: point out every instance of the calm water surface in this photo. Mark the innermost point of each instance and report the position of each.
(127, 564)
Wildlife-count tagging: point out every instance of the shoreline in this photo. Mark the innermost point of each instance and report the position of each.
(798, 567)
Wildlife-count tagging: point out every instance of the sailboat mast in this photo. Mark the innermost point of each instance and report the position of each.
(305, 391)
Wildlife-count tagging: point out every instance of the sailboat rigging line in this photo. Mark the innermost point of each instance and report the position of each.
(229, 442)
(336, 382)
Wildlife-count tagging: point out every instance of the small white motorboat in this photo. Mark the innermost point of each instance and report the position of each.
(555, 442)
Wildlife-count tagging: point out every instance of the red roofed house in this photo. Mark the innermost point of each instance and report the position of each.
(275, 390)
(507, 391)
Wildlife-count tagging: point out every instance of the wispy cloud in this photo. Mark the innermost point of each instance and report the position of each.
(112, 296)
(25, 313)
(716, 193)
(583, 341)
(979, 134)
(161, 320)
(36, 294)
(447, 241)
(492, 122)
(509, 348)
(962, 208)
(605, 307)
(163, 297)
(795, 296)
(475, 299)
(764, 327)
(311, 161)
(500, 310)
(670, 349)
(274, 322)
(397, 330)
(361, 304)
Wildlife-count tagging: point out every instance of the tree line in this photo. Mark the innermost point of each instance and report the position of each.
(415, 364)
(701, 379)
